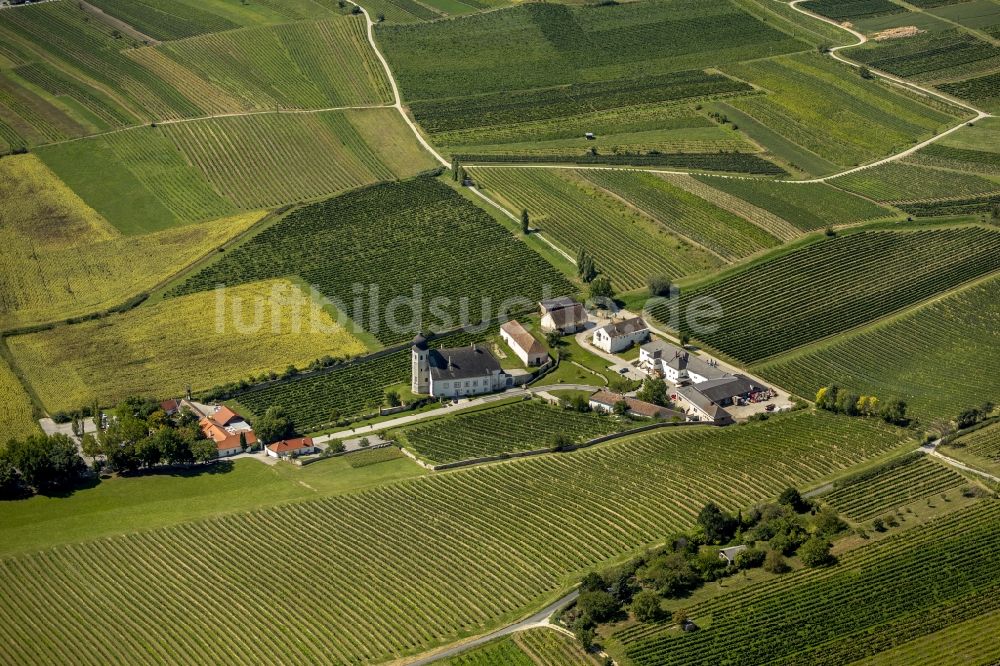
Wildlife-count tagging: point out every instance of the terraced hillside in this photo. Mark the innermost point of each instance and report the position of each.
(835, 284)
(512, 532)
(934, 577)
(902, 357)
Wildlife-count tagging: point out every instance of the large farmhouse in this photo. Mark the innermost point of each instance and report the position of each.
(455, 372)
(228, 430)
(621, 335)
(703, 385)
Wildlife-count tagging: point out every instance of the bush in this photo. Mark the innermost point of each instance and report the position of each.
(750, 558)
(816, 552)
(775, 563)
(646, 606)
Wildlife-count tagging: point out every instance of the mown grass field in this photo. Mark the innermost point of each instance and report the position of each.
(16, 410)
(807, 206)
(199, 340)
(512, 533)
(826, 108)
(137, 180)
(148, 501)
(453, 251)
(60, 259)
(521, 426)
(903, 357)
(572, 212)
(835, 284)
(533, 647)
(932, 577)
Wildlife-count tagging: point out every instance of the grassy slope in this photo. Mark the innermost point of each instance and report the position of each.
(162, 348)
(61, 259)
(122, 505)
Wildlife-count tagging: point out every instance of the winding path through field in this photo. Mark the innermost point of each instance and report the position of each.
(862, 39)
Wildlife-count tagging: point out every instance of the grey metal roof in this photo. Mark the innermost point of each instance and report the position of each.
(727, 387)
(626, 327)
(557, 303)
(694, 396)
(461, 363)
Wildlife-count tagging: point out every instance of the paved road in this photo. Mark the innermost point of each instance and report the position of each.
(539, 619)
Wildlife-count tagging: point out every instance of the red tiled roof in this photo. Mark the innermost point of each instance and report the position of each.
(223, 416)
(286, 445)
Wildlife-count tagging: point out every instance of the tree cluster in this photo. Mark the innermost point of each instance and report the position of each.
(973, 415)
(44, 464)
(842, 401)
(654, 390)
(771, 532)
(141, 435)
(586, 267)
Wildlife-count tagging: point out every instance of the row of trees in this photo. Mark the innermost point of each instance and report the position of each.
(836, 399)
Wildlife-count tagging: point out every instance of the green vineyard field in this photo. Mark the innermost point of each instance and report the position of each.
(925, 579)
(882, 490)
(532, 647)
(903, 357)
(311, 65)
(575, 215)
(836, 284)
(897, 182)
(402, 567)
(455, 251)
(269, 160)
(722, 232)
(808, 206)
(852, 9)
(163, 19)
(825, 107)
(522, 426)
(931, 55)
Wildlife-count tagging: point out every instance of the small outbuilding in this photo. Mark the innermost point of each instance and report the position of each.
(289, 448)
(729, 554)
(524, 345)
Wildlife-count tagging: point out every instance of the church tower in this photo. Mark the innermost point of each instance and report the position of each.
(420, 370)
